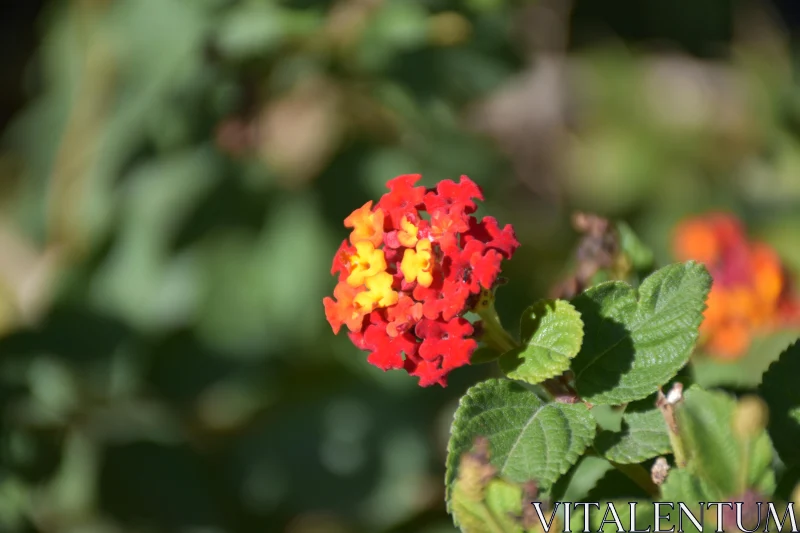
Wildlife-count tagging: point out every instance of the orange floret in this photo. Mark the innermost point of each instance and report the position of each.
(367, 225)
(405, 313)
(750, 290)
(696, 240)
(769, 277)
(730, 341)
(345, 309)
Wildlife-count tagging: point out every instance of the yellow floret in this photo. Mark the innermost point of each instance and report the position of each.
(407, 235)
(365, 263)
(379, 292)
(418, 264)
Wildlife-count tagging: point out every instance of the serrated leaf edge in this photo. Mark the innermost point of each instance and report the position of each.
(695, 332)
(525, 343)
(571, 456)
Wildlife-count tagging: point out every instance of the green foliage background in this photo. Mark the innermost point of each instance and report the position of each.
(174, 178)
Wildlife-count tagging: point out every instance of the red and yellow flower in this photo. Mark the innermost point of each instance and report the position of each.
(413, 265)
(751, 291)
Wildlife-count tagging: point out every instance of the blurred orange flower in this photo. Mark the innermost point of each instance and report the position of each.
(751, 291)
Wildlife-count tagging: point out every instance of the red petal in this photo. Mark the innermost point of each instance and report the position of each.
(429, 374)
(403, 198)
(486, 268)
(451, 197)
(488, 231)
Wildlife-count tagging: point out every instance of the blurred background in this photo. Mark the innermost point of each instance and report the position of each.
(174, 175)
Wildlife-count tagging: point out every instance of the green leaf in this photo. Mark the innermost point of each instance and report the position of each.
(502, 502)
(643, 436)
(633, 345)
(249, 29)
(254, 28)
(714, 453)
(529, 439)
(141, 280)
(551, 332)
(779, 389)
(242, 305)
(608, 417)
(579, 480)
(641, 256)
(682, 486)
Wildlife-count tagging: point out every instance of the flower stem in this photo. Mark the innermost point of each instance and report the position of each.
(667, 407)
(744, 469)
(494, 334)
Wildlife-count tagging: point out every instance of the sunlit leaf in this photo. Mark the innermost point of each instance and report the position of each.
(529, 439)
(636, 341)
(551, 333)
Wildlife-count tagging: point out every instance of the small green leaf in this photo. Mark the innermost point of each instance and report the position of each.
(779, 389)
(641, 256)
(529, 439)
(714, 453)
(502, 502)
(643, 436)
(704, 422)
(551, 332)
(682, 486)
(633, 345)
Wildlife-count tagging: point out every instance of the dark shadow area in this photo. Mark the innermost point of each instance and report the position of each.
(607, 352)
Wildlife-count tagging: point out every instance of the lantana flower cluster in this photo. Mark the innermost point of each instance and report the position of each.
(413, 265)
(751, 291)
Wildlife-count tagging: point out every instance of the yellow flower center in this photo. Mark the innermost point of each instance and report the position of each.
(365, 263)
(407, 235)
(418, 264)
(379, 292)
